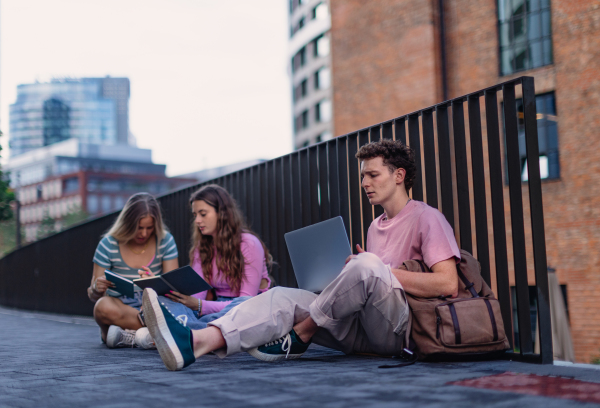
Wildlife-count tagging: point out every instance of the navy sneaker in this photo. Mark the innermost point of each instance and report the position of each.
(287, 347)
(173, 340)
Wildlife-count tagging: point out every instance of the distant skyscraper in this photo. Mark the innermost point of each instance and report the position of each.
(310, 61)
(94, 110)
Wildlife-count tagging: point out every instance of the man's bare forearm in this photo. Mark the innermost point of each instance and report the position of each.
(442, 282)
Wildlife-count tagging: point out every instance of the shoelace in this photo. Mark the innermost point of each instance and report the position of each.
(286, 341)
(127, 338)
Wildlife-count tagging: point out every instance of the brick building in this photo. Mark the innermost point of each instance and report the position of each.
(392, 57)
(70, 176)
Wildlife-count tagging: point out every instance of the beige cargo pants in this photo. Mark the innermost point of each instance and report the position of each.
(364, 310)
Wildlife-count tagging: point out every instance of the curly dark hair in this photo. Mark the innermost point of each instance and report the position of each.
(395, 154)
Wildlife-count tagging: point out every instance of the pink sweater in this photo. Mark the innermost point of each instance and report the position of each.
(254, 271)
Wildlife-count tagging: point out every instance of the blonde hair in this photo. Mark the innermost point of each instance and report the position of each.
(138, 206)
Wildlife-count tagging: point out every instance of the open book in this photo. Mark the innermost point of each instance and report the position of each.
(183, 280)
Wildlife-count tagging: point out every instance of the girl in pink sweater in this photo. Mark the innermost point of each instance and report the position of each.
(226, 253)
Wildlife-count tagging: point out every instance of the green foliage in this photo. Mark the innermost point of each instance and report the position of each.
(74, 217)
(6, 196)
(8, 240)
(595, 360)
(47, 226)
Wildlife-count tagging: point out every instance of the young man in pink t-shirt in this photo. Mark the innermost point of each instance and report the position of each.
(364, 310)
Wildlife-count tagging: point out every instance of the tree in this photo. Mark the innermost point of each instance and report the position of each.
(75, 216)
(7, 197)
(47, 226)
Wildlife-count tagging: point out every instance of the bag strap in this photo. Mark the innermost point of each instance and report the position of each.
(468, 285)
(409, 357)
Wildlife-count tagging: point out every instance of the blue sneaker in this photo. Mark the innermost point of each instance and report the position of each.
(173, 340)
(287, 347)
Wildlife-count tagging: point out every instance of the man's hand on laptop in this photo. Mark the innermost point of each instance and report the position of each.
(359, 250)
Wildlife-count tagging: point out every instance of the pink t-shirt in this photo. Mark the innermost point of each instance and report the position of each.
(417, 232)
(254, 271)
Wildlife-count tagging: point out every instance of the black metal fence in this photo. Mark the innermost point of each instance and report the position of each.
(454, 174)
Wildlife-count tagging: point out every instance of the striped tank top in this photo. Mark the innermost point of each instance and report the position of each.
(108, 256)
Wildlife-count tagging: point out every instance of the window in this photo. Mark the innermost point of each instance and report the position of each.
(299, 59)
(106, 203)
(320, 12)
(301, 121)
(525, 34)
(322, 78)
(301, 90)
(92, 204)
(297, 27)
(323, 111)
(547, 137)
(119, 202)
(321, 46)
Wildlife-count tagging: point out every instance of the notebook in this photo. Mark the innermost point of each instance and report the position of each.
(183, 280)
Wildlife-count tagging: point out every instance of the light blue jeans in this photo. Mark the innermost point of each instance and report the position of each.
(190, 317)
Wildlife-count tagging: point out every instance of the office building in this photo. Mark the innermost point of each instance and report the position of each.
(93, 110)
(310, 70)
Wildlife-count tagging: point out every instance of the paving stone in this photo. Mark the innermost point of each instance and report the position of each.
(49, 361)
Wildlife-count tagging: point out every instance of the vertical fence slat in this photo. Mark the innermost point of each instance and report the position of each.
(333, 177)
(288, 200)
(387, 131)
(296, 191)
(324, 181)
(272, 226)
(429, 156)
(516, 216)
(353, 177)
(415, 144)
(477, 165)
(497, 196)
(257, 202)
(343, 189)
(367, 208)
(446, 182)
(400, 129)
(537, 220)
(375, 133)
(315, 208)
(279, 215)
(380, 132)
(305, 187)
(264, 208)
(462, 175)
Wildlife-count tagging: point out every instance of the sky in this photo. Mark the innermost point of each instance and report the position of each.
(209, 80)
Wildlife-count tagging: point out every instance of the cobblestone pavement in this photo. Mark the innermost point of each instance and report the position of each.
(59, 361)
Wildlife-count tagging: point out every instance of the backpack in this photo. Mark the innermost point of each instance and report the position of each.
(466, 327)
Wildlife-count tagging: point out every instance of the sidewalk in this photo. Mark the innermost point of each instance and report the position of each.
(58, 361)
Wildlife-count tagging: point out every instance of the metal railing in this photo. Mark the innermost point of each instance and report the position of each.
(454, 174)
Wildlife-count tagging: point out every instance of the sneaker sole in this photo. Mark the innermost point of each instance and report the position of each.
(157, 325)
(272, 357)
(111, 336)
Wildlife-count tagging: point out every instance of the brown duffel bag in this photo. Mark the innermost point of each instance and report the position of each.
(468, 326)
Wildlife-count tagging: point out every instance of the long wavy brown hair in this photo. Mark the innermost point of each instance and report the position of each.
(228, 239)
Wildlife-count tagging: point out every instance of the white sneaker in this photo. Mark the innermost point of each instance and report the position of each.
(118, 337)
(143, 339)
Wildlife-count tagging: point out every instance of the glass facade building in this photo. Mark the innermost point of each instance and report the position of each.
(93, 110)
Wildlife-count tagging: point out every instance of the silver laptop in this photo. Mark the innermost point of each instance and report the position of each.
(318, 253)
